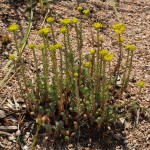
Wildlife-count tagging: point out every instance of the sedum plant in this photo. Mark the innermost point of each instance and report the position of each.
(64, 94)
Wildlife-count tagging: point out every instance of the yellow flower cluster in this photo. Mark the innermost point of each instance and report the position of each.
(44, 31)
(108, 87)
(12, 56)
(88, 64)
(13, 28)
(50, 20)
(65, 21)
(31, 46)
(97, 25)
(63, 30)
(86, 11)
(92, 51)
(80, 8)
(141, 84)
(119, 28)
(101, 38)
(58, 45)
(121, 39)
(41, 46)
(109, 57)
(74, 20)
(52, 48)
(75, 74)
(103, 52)
(131, 47)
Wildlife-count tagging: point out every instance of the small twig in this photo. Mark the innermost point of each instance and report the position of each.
(3, 101)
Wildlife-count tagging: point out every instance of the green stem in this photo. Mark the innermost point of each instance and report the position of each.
(80, 32)
(116, 73)
(17, 46)
(53, 34)
(89, 20)
(79, 52)
(129, 71)
(77, 95)
(37, 75)
(36, 137)
(61, 80)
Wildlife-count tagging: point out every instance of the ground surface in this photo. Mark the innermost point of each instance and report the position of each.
(134, 13)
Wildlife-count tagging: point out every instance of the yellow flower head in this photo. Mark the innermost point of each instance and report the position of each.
(65, 21)
(131, 47)
(31, 45)
(88, 64)
(52, 48)
(108, 87)
(63, 30)
(86, 12)
(44, 31)
(50, 20)
(80, 8)
(58, 45)
(13, 28)
(121, 39)
(75, 74)
(41, 46)
(109, 57)
(103, 52)
(119, 28)
(101, 38)
(74, 20)
(92, 51)
(97, 25)
(141, 84)
(12, 56)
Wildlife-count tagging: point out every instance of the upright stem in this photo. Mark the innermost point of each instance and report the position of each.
(97, 65)
(37, 74)
(130, 68)
(89, 20)
(77, 94)
(116, 73)
(61, 80)
(36, 137)
(53, 34)
(80, 33)
(66, 65)
(70, 51)
(79, 52)
(103, 82)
